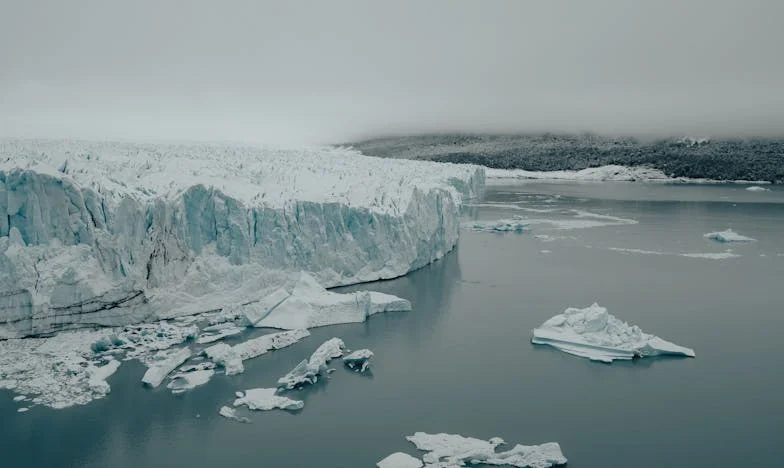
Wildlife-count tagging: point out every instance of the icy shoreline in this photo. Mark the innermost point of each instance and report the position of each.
(112, 234)
(606, 173)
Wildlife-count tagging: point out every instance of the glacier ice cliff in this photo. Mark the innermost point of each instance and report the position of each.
(109, 234)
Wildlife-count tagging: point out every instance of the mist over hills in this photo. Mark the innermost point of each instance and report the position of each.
(719, 159)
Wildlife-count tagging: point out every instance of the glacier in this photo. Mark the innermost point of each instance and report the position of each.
(595, 334)
(452, 450)
(110, 234)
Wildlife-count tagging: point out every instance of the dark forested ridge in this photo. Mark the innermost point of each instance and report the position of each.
(719, 159)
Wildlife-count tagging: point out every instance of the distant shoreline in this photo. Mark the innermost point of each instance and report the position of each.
(682, 159)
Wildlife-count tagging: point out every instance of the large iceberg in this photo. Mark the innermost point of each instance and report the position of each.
(308, 371)
(595, 334)
(111, 234)
(265, 399)
(452, 450)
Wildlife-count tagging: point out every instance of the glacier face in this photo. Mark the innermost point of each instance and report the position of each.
(118, 233)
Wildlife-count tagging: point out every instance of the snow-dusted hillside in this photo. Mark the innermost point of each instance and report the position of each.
(117, 233)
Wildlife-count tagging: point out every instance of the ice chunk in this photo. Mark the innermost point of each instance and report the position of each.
(728, 236)
(231, 357)
(358, 360)
(450, 450)
(310, 305)
(184, 381)
(230, 413)
(757, 188)
(219, 334)
(265, 399)
(97, 376)
(399, 460)
(501, 225)
(307, 371)
(595, 334)
(165, 363)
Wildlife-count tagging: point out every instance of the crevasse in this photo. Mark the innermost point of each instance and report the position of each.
(116, 233)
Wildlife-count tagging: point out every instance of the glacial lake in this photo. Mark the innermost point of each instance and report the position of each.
(461, 361)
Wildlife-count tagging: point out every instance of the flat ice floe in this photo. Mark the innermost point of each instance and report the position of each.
(266, 399)
(309, 370)
(311, 305)
(707, 255)
(595, 334)
(757, 188)
(577, 219)
(728, 236)
(163, 364)
(230, 413)
(452, 450)
(113, 234)
(231, 357)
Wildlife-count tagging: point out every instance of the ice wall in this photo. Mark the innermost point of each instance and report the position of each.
(116, 233)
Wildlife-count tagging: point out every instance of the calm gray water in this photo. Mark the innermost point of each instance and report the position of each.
(461, 361)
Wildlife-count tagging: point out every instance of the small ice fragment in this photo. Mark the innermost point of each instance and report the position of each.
(239, 394)
(399, 460)
(728, 236)
(20, 397)
(22, 410)
(516, 224)
(546, 251)
(265, 399)
(160, 369)
(307, 371)
(595, 334)
(757, 188)
(359, 360)
(231, 413)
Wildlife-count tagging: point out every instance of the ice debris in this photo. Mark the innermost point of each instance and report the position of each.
(218, 332)
(307, 371)
(190, 377)
(501, 225)
(712, 255)
(757, 188)
(163, 364)
(452, 450)
(231, 357)
(358, 360)
(400, 460)
(728, 236)
(230, 413)
(595, 334)
(265, 399)
(310, 305)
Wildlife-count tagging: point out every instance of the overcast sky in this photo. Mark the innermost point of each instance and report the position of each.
(326, 71)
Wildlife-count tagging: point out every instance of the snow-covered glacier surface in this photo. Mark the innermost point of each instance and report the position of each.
(595, 334)
(117, 233)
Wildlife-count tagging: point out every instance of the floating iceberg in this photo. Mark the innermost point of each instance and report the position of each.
(400, 460)
(230, 413)
(218, 332)
(112, 234)
(451, 450)
(757, 188)
(501, 225)
(728, 236)
(231, 357)
(164, 364)
(595, 334)
(712, 255)
(191, 377)
(310, 305)
(307, 371)
(265, 399)
(358, 360)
